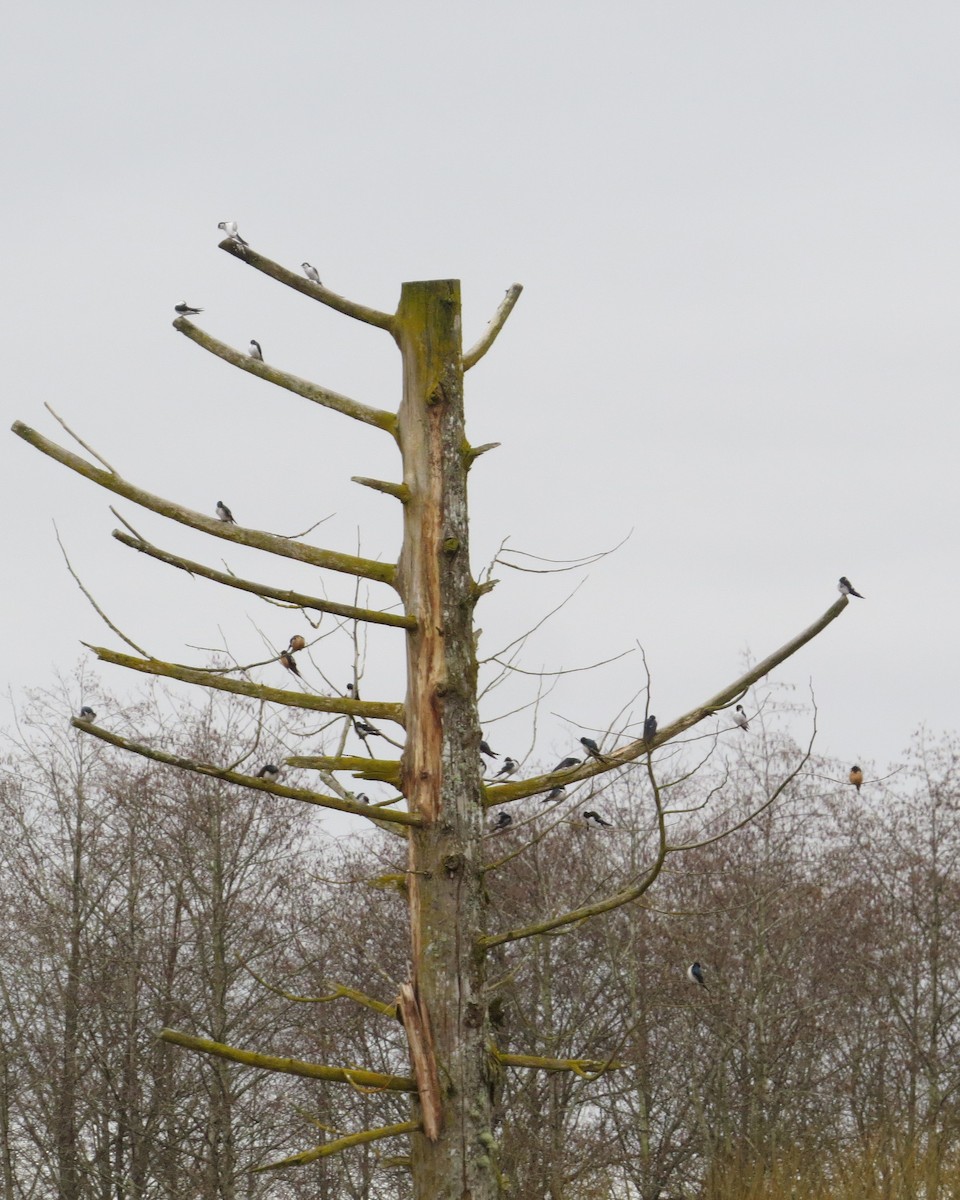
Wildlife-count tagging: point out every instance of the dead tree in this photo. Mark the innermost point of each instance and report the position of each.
(444, 1005)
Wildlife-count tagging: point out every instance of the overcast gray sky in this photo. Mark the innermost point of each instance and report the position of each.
(737, 230)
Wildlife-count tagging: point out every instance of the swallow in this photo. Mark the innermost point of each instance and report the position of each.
(592, 748)
(485, 749)
(363, 798)
(846, 588)
(554, 794)
(255, 351)
(230, 229)
(296, 643)
(695, 975)
(364, 730)
(650, 728)
(87, 713)
(508, 768)
(596, 819)
(186, 310)
(224, 513)
(269, 772)
(502, 821)
(287, 660)
(856, 775)
(566, 764)
(312, 273)
(740, 717)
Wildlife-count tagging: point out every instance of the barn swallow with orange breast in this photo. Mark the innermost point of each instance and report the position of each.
(296, 643)
(856, 776)
(287, 660)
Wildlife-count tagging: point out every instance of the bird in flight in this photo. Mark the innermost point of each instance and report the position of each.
(596, 819)
(87, 713)
(269, 772)
(508, 768)
(230, 229)
(846, 588)
(592, 748)
(287, 660)
(650, 728)
(502, 821)
(566, 764)
(695, 975)
(186, 310)
(312, 273)
(856, 777)
(224, 513)
(740, 717)
(296, 643)
(485, 749)
(255, 351)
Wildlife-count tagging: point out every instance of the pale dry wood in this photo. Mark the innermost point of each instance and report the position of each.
(423, 1057)
(497, 322)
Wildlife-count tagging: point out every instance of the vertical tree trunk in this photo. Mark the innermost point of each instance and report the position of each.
(441, 762)
(66, 1101)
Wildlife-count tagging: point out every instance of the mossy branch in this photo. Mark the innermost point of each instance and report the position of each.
(289, 1066)
(384, 770)
(506, 793)
(249, 781)
(340, 992)
(257, 538)
(579, 1066)
(293, 383)
(241, 687)
(296, 599)
(316, 291)
(399, 490)
(497, 322)
(341, 1144)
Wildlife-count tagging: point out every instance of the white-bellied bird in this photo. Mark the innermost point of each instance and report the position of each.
(87, 713)
(596, 819)
(695, 975)
(270, 772)
(224, 513)
(230, 229)
(186, 310)
(566, 764)
(508, 768)
(740, 717)
(255, 351)
(554, 794)
(312, 273)
(592, 748)
(846, 588)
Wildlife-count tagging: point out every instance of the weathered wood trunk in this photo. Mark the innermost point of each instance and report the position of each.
(441, 763)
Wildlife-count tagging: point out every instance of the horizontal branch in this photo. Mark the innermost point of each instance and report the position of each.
(241, 687)
(385, 770)
(579, 1066)
(293, 383)
(398, 490)
(497, 322)
(344, 1143)
(259, 539)
(298, 599)
(248, 781)
(316, 291)
(506, 793)
(289, 1066)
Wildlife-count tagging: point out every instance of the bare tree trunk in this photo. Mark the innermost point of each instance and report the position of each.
(441, 762)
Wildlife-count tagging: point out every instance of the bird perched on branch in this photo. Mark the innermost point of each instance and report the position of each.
(287, 660)
(296, 643)
(312, 273)
(566, 764)
(856, 777)
(87, 713)
(502, 821)
(363, 798)
(485, 749)
(554, 794)
(596, 819)
(230, 229)
(740, 717)
(592, 748)
(695, 975)
(186, 310)
(846, 588)
(650, 728)
(255, 351)
(224, 513)
(269, 772)
(508, 768)
(364, 730)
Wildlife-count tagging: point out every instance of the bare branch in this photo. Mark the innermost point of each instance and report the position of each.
(96, 607)
(341, 1144)
(293, 383)
(289, 1066)
(248, 781)
(257, 538)
(340, 992)
(285, 596)
(154, 666)
(76, 437)
(497, 322)
(505, 793)
(316, 291)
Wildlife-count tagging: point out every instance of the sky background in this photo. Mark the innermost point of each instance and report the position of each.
(737, 230)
